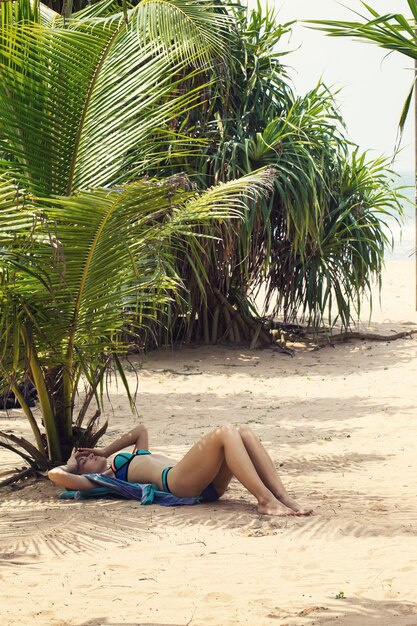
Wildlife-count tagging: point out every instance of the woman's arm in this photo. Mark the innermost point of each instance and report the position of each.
(60, 476)
(137, 437)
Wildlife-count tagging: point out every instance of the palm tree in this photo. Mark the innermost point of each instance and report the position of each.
(84, 104)
(91, 250)
(75, 272)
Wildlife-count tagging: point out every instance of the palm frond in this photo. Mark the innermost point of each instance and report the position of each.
(6, 439)
(101, 272)
(64, 137)
(193, 30)
(391, 31)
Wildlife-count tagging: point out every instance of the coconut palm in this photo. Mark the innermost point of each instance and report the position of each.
(91, 104)
(84, 106)
(75, 272)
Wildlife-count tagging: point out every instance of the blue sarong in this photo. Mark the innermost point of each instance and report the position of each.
(109, 486)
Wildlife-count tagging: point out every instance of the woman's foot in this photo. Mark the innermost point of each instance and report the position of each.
(294, 506)
(274, 507)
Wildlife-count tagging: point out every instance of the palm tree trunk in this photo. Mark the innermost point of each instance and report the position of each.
(415, 156)
(33, 424)
(67, 9)
(37, 376)
(415, 153)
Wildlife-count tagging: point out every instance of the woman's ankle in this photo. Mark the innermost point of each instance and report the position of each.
(274, 507)
(267, 500)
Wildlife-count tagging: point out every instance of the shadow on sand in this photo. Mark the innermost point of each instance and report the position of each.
(361, 611)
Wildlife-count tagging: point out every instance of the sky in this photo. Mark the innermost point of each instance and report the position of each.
(375, 85)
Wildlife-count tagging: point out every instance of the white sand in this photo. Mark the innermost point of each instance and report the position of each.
(340, 424)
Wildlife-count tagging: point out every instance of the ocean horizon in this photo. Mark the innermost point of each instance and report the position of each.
(404, 234)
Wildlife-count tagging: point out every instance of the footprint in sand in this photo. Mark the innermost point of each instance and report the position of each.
(378, 507)
(260, 531)
(219, 597)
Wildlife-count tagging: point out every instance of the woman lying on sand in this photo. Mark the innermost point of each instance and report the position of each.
(205, 470)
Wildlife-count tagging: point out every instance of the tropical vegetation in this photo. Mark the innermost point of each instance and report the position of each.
(84, 256)
(315, 246)
(156, 169)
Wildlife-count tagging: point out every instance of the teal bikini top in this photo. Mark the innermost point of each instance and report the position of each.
(121, 462)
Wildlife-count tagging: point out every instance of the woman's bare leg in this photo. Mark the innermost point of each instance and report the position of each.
(202, 464)
(222, 479)
(266, 470)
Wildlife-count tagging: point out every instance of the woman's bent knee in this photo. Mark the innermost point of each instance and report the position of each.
(246, 432)
(227, 430)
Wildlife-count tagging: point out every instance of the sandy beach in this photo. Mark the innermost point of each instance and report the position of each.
(340, 424)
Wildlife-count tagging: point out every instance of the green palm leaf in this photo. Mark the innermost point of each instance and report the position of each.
(184, 26)
(391, 31)
(81, 269)
(118, 251)
(79, 105)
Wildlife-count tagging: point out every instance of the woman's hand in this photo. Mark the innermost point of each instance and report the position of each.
(86, 451)
(72, 463)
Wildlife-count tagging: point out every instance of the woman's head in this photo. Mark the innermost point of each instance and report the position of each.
(91, 464)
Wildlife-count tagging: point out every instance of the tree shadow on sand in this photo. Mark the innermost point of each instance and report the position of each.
(352, 356)
(104, 621)
(314, 419)
(37, 525)
(359, 611)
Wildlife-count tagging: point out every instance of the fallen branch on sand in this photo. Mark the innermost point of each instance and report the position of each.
(322, 337)
(348, 335)
(13, 479)
(168, 371)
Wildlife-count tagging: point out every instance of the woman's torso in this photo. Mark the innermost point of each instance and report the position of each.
(145, 468)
